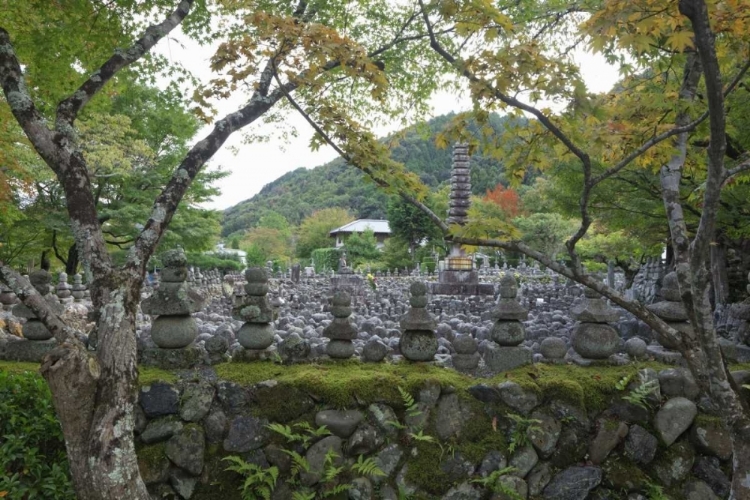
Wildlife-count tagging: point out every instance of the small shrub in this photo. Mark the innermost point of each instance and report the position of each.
(32, 449)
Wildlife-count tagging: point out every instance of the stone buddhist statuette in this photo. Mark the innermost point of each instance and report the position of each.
(63, 289)
(256, 334)
(173, 303)
(418, 340)
(466, 357)
(505, 351)
(79, 290)
(340, 331)
(671, 310)
(594, 338)
(7, 297)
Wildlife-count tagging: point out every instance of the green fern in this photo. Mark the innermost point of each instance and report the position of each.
(367, 467)
(655, 492)
(519, 436)
(303, 495)
(299, 463)
(259, 482)
(412, 410)
(422, 437)
(493, 483)
(336, 490)
(622, 384)
(639, 395)
(308, 432)
(403, 494)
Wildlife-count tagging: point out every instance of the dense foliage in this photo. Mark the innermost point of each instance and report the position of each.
(32, 451)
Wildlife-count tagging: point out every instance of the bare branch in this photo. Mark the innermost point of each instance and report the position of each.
(68, 109)
(742, 167)
(34, 301)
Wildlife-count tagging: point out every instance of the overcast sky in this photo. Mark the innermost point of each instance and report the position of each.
(255, 165)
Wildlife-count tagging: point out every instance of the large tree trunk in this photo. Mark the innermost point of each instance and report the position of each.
(94, 397)
(719, 276)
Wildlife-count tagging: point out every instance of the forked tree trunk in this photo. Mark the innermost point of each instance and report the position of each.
(95, 397)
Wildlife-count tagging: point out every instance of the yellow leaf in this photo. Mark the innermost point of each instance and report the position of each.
(680, 40)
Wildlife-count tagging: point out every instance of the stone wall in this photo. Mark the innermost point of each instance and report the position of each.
(566, 432)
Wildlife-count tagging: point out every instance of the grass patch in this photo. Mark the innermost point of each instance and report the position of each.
(147, 375)
(19, 367)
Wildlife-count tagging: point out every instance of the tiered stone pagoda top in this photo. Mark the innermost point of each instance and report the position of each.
(460, 185)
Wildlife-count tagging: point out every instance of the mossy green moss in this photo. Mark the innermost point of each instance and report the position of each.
(148, 375)
(621, 473)
(424, 469)
(18, 367)
(151, 455)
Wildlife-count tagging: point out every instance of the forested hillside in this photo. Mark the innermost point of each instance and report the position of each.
(297, 194)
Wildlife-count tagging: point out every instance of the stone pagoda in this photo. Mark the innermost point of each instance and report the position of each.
(340, 331)
(594, 338)
(459, 276)
(172, 304)
(418, 341)
(63, 289)
(256, 334)
(505, 352)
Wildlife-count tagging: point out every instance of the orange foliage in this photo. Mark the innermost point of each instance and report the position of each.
(506, 198)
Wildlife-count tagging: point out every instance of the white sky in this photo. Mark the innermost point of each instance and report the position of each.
(258, 164)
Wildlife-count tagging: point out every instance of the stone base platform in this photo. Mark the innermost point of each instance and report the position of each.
(500, 359)
(171, 359)
(31, 351)
(452, 282)
(613, 360)
(350, 283)
(243, 355)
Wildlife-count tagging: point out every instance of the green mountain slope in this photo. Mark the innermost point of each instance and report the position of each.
(299, 193)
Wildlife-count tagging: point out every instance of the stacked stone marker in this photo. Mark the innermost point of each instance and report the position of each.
(466, 357)
(79, 290)
(594, 338)
(173, 303)
(7, 297)
(256, 334)
(671, 310)
(505, 353)
(63, 289)
(418, 341)
(340, 331)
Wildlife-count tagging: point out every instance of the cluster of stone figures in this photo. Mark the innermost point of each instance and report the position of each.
(189, 318)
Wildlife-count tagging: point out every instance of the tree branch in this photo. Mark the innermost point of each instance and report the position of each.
(68, 109)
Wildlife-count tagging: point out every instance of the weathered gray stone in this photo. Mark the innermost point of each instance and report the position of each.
(500, 359)
(636, 348)
(711, 437)
(553, 348)
(708, 469)
(596, 340)
(387, 460)
(539, 478)
(450, 417)
(382, 415)
(183, 484)
(491, 462)
(573, 483)
(640, 445)
(160, 430)
(246, 433)
(674, 418)
(364, 441)
(196, 401)
(153, 464)
(159, 399)
(678, 382)
(294, 347)
(698, 490)
(523, 461)
(674, 465)
(609, 435)
(464, 491)
(316, 458)
(515, 484)
(508, 333)
(418, 345)
(340, 423)
(215, 426)
(255, 336)
(544, 435)
(517, 398)
(374, 351)
(456, 467)
(30, 351)
(186, 449)
(361, 489)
